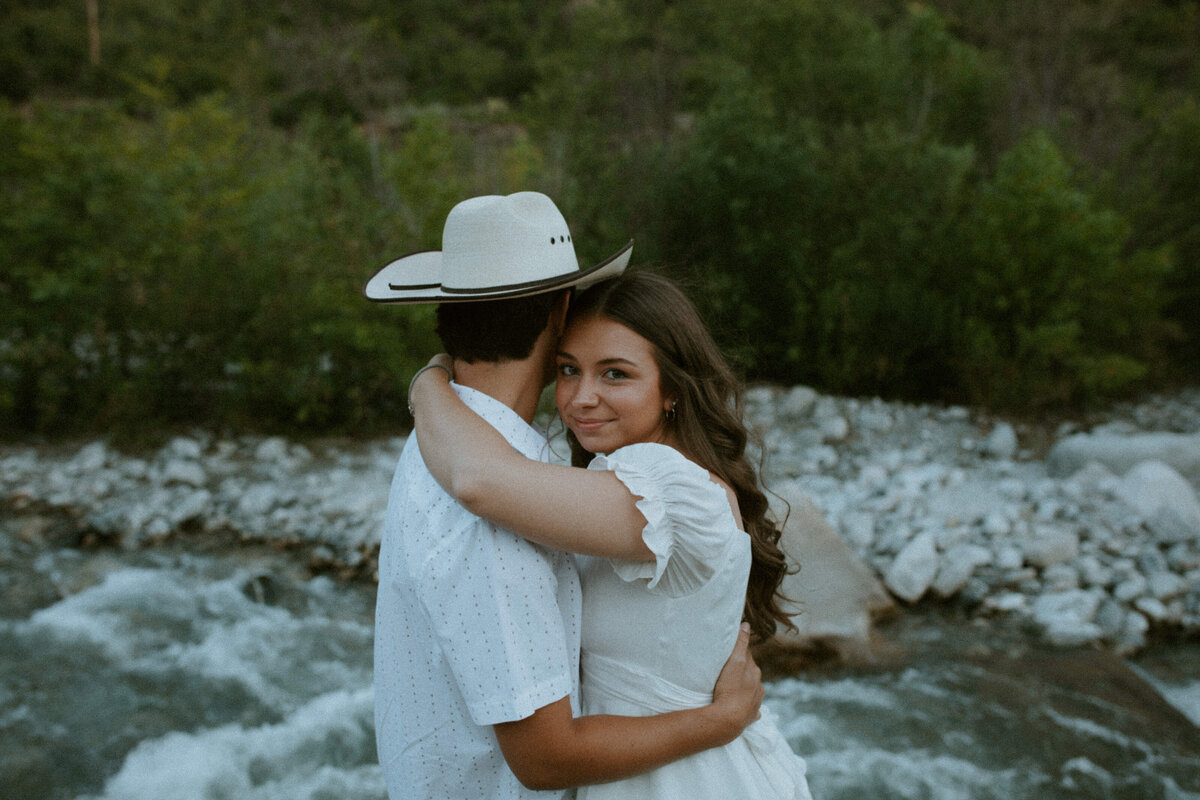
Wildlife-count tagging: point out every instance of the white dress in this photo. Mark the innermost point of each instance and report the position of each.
(656, 634)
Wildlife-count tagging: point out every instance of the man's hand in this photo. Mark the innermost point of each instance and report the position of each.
(739, 691)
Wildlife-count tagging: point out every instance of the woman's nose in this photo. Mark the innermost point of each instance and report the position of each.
(585, 393)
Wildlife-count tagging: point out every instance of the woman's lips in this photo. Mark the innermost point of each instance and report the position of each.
(587, 425)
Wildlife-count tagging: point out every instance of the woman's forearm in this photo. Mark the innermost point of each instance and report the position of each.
(563, 507)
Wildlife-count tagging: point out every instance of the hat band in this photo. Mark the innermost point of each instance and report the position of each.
(400, 287)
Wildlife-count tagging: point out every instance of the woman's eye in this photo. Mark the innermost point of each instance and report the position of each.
(566, 370)
(614, 374)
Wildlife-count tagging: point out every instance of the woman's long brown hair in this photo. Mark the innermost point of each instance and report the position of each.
(708, 416)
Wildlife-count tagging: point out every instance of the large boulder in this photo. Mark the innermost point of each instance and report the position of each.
(835, 595)
(1120, 454)
(1164, 499)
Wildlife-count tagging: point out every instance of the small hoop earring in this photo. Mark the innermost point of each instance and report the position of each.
(670, 412)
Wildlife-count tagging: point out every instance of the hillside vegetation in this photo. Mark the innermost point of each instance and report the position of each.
(978, 201)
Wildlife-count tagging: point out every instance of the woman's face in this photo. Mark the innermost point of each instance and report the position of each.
(608, 390)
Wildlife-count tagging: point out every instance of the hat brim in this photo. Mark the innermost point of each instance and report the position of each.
(414, 278)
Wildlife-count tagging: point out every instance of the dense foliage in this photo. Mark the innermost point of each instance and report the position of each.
(967, 200)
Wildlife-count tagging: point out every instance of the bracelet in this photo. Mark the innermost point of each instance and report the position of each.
(417, 374)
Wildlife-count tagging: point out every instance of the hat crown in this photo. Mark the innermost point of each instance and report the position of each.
(493, 247)
(506, 240)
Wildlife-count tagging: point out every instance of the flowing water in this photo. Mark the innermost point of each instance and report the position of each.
(188, 672)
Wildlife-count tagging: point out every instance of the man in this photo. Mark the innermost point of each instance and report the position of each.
(477, 630)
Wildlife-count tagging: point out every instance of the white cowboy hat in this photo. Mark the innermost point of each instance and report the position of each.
(493, 247)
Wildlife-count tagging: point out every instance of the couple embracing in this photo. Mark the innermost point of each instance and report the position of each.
(541, 627)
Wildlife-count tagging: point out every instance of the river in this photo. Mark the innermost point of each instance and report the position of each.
(195, 670)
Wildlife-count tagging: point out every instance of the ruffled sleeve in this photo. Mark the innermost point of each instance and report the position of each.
(689, 522)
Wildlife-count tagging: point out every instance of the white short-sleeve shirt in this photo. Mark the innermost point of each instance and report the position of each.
(473, 626)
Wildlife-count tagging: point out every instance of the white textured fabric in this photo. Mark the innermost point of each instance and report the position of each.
(656, 634)
(473, 626)
(688, 519)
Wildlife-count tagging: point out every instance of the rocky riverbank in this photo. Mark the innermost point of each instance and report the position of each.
(1089, 533)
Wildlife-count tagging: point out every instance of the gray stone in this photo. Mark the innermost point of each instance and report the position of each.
(190, 473)
(957, 566)
(183, 447)
(1110, 616)
(1120, 453)
(89, 458)
(272, 450)
(834, 428)
(914, 568)
(1068, 618)
(1133, 634)
(1060, 578)
(1049, 546)
(996, 524)
(1166, 501)
(1153, 608)
(1001, 442)
(965, 503)
(796, 403)
(836, 594)
(1133, 586)
(858, 528)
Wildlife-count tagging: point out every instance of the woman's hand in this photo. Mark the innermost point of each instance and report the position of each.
(439, 363)
(442, 360)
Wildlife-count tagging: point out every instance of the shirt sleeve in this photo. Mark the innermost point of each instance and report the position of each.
(491, 598)
(689, 522)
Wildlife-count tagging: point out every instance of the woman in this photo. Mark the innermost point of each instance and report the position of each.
(670, 506)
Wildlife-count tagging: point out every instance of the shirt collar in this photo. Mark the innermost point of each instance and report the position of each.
(529, 440)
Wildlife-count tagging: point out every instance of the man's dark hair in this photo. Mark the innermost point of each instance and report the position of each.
(494, 330)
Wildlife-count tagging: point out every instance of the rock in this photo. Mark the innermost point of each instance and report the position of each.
(190, 505)
(834, 428)
(1110, 616)
(1049, 546)
(90, 458)
(1133, 633)
(1009, 558)
(996, 524)
(1060, 578)
(796, 403)
(836, 594)
(1152, 608)
(1121, 453)
(1133, 586)
(1166, 501)
(1001, 442)
(1068, 618)
(273, 450)
(1092, 572)
(184, 447)
(965, 503)
(858, 528)
(957, 566)
(258, 500)
(190, 473)
(913, 570)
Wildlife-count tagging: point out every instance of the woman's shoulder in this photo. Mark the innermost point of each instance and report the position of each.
(655, 456)
(668, 465)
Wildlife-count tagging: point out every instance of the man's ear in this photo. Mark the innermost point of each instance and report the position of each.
(558, 313)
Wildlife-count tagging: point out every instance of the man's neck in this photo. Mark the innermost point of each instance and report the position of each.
(517, 384)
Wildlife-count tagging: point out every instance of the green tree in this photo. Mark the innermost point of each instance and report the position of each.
(1058, 313)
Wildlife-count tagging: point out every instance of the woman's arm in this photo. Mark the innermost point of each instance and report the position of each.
(579, 510)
